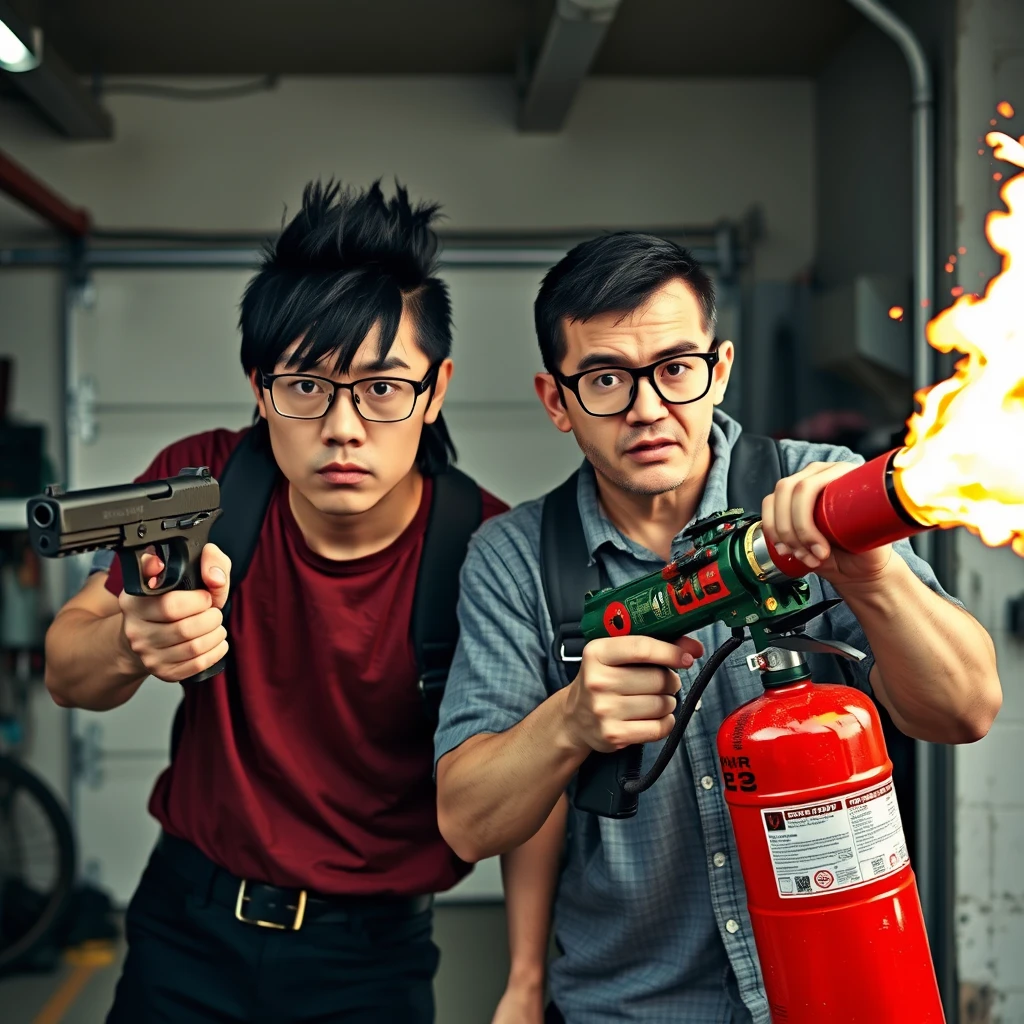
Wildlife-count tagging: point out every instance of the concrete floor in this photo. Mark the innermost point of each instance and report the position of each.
(474, 964)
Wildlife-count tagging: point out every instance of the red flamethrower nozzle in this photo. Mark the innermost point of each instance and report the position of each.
(859, 511)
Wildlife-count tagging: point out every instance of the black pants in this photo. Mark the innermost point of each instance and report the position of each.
(190, 961)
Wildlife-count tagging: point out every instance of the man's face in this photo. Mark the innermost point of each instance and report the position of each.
(655, 446)
(341, 463)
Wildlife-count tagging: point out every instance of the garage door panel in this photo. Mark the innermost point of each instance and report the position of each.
(163, 336)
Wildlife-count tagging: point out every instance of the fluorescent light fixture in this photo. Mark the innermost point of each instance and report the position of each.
(15, 55)
(56, 91)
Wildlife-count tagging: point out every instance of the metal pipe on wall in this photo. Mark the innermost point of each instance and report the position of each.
(935, 817)
(41, 200)
(923, 156)
(509, 254)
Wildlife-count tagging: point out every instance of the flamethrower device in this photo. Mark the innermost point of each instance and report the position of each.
(832, 897)
(173, 515)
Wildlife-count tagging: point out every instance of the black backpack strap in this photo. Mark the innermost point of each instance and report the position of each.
(456, 510)
(246, 486)
(755, 467)
(247, 483)
(566, 573)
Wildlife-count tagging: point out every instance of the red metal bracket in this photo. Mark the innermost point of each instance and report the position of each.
(32, 193)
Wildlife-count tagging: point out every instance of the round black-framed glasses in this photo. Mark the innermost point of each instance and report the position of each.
(612, 390)
(306, 396)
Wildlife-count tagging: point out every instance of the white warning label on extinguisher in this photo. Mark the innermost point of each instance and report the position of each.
(819, 847)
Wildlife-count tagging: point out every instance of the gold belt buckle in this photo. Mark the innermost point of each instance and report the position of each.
(300, 912)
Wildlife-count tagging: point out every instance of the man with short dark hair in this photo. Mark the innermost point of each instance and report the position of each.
(299, 849)
(650, 913)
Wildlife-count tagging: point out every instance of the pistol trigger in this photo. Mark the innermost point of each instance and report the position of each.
(140, 572)
(134, 577)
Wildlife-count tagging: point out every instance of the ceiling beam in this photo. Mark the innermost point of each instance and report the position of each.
(54, 89)
(574, 35)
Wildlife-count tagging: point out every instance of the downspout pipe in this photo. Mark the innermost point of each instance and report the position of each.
(922, 106)
(934, 763)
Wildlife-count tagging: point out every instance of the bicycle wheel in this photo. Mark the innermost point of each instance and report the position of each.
(37, 861)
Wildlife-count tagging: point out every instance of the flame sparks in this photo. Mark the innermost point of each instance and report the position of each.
(896, 312)
(1004, 109)
(963, 463)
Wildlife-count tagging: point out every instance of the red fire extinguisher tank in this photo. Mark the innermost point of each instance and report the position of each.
(833, 900)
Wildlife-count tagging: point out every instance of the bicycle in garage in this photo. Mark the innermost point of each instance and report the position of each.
(37, 846)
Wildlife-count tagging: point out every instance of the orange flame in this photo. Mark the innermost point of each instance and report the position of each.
(895, 312)
(1005, 109)
(963, 464)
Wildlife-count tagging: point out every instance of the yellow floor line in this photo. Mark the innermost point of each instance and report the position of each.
(86, 958)
(64, 998)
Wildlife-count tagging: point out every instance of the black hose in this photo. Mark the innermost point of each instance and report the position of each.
(684, 712)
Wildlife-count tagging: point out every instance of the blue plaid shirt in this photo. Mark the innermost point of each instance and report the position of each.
(650, 915)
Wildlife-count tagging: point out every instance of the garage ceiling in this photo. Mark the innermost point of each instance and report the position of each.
(647, 37)
(106, 40)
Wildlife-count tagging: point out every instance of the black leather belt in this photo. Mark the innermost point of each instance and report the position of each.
(271, 906)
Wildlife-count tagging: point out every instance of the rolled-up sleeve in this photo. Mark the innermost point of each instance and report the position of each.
(498, 674)
(101, 561)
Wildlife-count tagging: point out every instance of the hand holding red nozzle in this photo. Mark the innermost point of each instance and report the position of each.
(855, 510)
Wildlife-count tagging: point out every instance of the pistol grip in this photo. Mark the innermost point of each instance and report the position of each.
(599, 783)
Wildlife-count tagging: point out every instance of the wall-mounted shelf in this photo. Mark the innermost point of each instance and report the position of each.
(12, 514)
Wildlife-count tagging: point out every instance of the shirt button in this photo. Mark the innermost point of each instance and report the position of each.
(719, 859)
(731, 926)
(707, 782)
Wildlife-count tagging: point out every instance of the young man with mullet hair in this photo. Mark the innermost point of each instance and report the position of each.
(650, 914)
(300, 792)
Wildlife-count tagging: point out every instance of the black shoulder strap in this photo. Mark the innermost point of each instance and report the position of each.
(246, 486)
(565, 573)
(755, 467)
(456, 509)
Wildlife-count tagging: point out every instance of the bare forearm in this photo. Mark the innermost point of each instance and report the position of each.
(529, 873)
(496, 790)
(88, 662)
(935, 667)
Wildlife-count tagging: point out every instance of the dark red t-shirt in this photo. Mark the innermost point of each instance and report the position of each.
(309, 762)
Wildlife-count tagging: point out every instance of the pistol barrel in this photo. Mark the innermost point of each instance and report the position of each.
(61, 523)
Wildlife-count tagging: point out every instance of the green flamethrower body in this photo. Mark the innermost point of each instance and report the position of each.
(724, 575)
